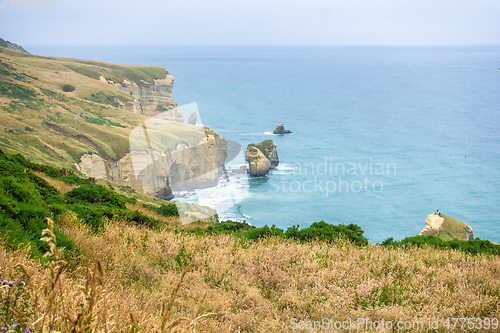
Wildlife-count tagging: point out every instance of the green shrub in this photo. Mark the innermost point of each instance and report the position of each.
(167, 210)
(68, 88)
(319, 230)
(95, 194)
(24, 207)
(475, 246)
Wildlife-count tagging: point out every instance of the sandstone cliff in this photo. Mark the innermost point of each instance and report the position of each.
(447, 228)
(151, 99)
(156, 169)
(262, 157)
(119, 122)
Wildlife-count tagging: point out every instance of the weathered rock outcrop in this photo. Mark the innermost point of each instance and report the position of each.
(280, 129)
(12, 46)
(447, 228)
(151, 99)
(158, 173)
(262, 157)
(258, 163)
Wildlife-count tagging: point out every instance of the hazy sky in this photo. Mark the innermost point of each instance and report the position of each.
(325, 22)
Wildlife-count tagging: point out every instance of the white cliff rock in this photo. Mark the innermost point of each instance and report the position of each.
(258, 163)
(447, 228)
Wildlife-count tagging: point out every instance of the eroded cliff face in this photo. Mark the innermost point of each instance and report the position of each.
(151, 99)
(165, 155)
(158, 173)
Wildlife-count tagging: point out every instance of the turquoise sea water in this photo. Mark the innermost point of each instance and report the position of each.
(383, 136)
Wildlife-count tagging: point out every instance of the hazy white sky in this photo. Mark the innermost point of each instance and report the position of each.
(261, 22)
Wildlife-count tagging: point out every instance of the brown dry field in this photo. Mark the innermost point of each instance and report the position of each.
(247, 286)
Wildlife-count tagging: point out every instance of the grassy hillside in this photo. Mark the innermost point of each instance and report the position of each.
(128, 265)
(54, 110)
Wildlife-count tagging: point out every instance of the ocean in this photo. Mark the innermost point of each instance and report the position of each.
(382, 136)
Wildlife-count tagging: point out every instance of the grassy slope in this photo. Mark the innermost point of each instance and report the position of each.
(452, 228)
(56, 127)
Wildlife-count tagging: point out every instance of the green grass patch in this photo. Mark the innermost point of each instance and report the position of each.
(84, 70)
(16, 91)
(263, 145)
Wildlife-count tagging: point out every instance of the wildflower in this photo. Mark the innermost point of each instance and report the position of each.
(5, 282)
(28, 330)
(15, 326)
(11, 283)
(22, 283)
(3, 329)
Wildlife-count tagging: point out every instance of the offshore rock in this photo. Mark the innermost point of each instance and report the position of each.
(262, 157)
(258, 163)
(280, 129)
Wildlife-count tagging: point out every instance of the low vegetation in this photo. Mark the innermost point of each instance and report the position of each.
(68, 88)
(55, 109)
(111, 268)
(263, 145)
(475, 246)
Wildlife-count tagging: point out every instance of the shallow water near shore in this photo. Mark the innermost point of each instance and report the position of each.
(383, 136)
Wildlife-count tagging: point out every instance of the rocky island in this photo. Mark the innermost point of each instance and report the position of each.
(280, 129)
(262, 157)
(446, 228)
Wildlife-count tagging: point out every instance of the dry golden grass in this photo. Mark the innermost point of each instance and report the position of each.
(61, 186)
(143, 281)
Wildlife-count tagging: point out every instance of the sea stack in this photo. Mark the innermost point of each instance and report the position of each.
(280, 129)
(446, 228)
(262, 157)
(192, 119)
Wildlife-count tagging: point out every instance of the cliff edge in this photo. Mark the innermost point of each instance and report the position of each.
(12, 46)
(83, 114)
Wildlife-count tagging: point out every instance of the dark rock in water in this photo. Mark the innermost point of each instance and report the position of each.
(192, 119)
(242, 170)
(280, 129)
(12, 46)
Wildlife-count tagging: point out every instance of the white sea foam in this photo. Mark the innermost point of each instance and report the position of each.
(284, 169)
(223, 198)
